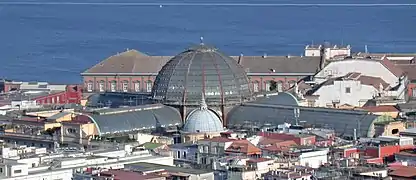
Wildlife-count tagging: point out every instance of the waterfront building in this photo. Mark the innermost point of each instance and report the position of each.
(133, 71)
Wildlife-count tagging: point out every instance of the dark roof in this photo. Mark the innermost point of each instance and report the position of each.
(133, 61)
(201, 69)
(342, 121)
(283, 98)
(126, 119)
(280, 64)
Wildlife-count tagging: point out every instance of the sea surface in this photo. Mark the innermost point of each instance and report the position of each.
(56, 40)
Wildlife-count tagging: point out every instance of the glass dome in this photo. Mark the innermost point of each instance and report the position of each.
(201, 69)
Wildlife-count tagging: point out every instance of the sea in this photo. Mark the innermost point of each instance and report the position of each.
(56, 40)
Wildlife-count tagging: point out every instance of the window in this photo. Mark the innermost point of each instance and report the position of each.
(267, 86)
(1, 170)
(113, 86)
(347, 90)
(179, 155)
(414, 92)
(57, 99)
(125, 86)
(53, 100)
(184, 155)
(137, 86)
(149, 86)
(394, 131)
(279, 86)
(101, 86)
(256, 86)
(89, 86)
(17, 171)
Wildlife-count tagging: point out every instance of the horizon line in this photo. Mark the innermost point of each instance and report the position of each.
(206, 4)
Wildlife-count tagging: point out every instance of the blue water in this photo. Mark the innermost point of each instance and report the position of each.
(55, 42)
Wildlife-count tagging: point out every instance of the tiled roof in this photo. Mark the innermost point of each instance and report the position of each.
(382, 108)
(410, 70)
(397, 71)
(133, 61)
(403, 171)
(130, 61)
(280, 64)
(243, 146)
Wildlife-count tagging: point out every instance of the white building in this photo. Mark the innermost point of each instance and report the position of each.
(313, 158)
(354, 81)
(328, 52)
(36, 164)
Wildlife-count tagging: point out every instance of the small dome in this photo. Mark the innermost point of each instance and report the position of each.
(203, 120)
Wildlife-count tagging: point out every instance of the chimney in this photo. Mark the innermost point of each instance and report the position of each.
(240, 58)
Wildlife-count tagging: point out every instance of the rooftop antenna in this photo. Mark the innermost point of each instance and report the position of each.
(366, 49)
(201, 39)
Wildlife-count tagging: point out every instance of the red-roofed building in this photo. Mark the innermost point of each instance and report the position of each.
(300, 139)
(402, 172)
(243, 147)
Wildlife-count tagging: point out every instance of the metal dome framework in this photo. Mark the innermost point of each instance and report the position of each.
(202, 69)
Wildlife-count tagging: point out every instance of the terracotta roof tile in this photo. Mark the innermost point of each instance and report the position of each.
(403, 171)
(382, 108)
(410, 70)
(397, 71)
(243, 146)
(256, 160)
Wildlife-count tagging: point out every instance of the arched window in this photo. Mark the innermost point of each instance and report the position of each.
(256, 86)
(89, 86)
(279, 86)
(137, 86)
(125, 86)
(267, 85)
(149, 84)
(113, 86)
(101, 86)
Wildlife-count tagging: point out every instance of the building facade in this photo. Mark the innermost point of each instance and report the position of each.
(133, 71)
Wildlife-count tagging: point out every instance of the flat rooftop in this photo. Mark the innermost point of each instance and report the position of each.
(152, 167)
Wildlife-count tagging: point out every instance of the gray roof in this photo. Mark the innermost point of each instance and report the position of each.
(127, 119)
(283, 98)
(143, 167)
(201, 69)
(342, 121)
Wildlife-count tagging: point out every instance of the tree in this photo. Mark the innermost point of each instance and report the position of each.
(273, 85)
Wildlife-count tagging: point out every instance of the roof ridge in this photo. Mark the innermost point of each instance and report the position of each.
(127, 51)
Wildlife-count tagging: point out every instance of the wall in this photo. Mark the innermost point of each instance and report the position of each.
(314, 159)
(48, 175)
(71, 95)
(366, 67)
(107, 80)
(337, 92)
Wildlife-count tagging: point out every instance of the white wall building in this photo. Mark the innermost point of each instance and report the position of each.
(21, 164)
(329, 52)
(314, 159)
(352, 81)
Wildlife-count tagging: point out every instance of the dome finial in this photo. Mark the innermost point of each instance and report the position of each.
(203, 104)
(202, 40)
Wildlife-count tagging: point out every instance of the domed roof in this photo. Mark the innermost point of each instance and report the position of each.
(202, 120)
(201, 69)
